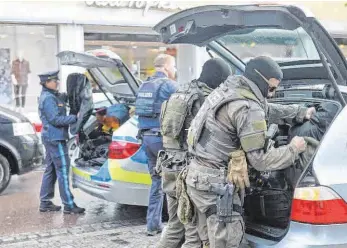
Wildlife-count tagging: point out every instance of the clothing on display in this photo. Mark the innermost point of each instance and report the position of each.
(20, 70)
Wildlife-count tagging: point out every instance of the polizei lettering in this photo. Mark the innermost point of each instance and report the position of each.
(145, 94)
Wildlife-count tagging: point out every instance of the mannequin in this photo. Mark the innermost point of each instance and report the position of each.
(20, 76)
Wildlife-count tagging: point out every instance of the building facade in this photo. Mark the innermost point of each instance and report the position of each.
(36, 31)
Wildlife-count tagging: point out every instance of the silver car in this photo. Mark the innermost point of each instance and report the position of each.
(313, 212)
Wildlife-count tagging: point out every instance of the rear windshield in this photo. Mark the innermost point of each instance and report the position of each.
(281, 45)
(114, 78)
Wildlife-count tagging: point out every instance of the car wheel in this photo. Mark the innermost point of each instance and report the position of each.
(5, 173)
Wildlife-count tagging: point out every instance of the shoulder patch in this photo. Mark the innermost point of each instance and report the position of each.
(259, 125)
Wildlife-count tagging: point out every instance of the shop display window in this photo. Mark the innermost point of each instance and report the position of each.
(25, 51)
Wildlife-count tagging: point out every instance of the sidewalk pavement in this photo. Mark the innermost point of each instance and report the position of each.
(125, 234)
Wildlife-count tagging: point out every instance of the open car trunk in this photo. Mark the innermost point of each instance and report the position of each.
(311, 62)
(97, 120)
(268, 202)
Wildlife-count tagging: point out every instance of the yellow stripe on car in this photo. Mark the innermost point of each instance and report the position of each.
(81, 173)
(117, 173)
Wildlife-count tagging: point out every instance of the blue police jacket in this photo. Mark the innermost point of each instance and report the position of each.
(52, 110)
(150, 97)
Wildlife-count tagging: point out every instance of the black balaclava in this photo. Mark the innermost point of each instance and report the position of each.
(267, 67)
(214, 72)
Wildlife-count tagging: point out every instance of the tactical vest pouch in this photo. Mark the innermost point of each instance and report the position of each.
(175, 113)
(185, 210)
(202, 180)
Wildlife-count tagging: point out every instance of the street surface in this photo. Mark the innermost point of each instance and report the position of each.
(103, 225)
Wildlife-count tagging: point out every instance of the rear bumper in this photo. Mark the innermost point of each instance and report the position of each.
(113, 191)
(302, 235)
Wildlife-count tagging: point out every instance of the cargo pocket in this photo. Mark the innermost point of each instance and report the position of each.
(169, 177)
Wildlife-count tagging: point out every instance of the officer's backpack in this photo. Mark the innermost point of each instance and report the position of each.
(176, 114)
(148, 103)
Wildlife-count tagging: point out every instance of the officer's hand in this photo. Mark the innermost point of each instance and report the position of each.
(310, 112)
(238, 170)
(299, 143)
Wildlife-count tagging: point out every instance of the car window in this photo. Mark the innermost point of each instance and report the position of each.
(115, 79)
(281, 45)
(235, 71)
(113, 75)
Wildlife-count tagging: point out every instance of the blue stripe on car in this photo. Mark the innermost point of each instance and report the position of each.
(124, 138)
(140, 156)
(103, 174)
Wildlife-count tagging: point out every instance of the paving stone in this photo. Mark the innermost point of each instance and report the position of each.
(127, 234)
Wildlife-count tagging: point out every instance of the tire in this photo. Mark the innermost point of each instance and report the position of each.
(5, 173)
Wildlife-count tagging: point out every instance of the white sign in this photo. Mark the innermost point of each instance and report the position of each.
(145, 5)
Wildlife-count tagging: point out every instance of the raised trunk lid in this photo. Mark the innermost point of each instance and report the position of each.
(107, 68)
(206, 24)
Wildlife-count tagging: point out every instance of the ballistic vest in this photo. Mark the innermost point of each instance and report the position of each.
(177, 115)
(206, 138)
(148, 104)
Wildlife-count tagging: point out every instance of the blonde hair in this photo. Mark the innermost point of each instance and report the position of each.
(163, 59)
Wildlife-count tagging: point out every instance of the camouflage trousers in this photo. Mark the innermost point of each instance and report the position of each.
(175, 232)
(220, 234)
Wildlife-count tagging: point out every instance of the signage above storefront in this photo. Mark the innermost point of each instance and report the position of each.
(145, 5)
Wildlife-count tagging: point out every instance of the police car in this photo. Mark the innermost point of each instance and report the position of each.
(123, 177)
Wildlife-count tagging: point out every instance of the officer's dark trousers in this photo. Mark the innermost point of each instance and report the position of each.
(153, 144)
(58, 164)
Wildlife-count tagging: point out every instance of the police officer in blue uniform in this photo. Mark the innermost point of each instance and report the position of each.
(52, 110)
(151, 95)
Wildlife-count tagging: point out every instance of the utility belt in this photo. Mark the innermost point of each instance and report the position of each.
(214, 180)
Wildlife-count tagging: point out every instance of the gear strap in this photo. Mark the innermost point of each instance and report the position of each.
(213, 210)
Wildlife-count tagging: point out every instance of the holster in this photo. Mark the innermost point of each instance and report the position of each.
(224, 206)
(162, 160)
(170, 164)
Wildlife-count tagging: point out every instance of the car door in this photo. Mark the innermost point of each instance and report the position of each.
(207, 25)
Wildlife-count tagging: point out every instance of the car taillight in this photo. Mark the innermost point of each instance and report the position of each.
(318, 205)
(122, 150)
(38, 127)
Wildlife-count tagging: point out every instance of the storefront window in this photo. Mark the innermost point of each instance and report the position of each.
(25, 52)
(137, 51)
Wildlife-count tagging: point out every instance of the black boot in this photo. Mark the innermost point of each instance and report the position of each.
(49, 207)
(73, 210)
